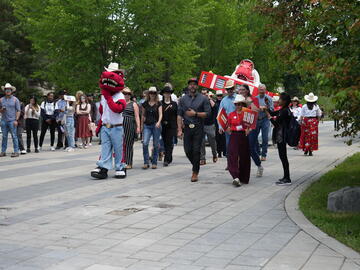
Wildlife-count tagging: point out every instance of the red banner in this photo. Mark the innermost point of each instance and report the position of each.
(222, 119)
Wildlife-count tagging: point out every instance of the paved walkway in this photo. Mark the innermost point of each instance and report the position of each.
(53, 217)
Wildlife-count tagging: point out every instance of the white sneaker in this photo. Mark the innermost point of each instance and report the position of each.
(52, 148)
(70, 149)
(236, 182)
(260, 171)
(23, 152)
(40, 148)
(90, 144)
(86, 147)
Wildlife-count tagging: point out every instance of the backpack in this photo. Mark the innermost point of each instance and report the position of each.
(293, 132)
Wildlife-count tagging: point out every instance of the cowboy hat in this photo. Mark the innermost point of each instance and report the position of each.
(311, 97)
(239, 99)
(219, 92)
(229, 84)
(275, 98)
(127, 90)
(113, 67)
(295, 99)
(8, 86)
(152, 89)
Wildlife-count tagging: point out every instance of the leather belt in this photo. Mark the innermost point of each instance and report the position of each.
(111, 126)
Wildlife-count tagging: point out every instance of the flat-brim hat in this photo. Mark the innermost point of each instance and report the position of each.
(311, 97)
(166, 89)
(8, 86)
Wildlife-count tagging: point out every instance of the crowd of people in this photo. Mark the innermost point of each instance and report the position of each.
(163, 118)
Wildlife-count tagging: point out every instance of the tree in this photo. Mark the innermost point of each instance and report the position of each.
(17, 59)
(322, 46)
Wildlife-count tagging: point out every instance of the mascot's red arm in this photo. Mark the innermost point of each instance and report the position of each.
(116, 107)
(98, 128)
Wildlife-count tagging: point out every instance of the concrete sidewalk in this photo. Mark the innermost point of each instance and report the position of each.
(52, 216)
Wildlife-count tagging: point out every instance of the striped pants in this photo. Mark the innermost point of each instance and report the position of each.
(129, 138)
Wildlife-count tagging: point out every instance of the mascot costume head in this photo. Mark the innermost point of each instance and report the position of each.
(112, 105)
(246, 71)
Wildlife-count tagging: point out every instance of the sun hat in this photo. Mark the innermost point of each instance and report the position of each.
(219, 93)
(239, 99)
(311, 97)
(229, 84)
(295, 99)
(152, 89)
(8, 86)
(193, 80)
(113, 67)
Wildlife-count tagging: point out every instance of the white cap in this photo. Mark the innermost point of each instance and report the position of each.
(152, 89)
(239, 98)
(219, 92)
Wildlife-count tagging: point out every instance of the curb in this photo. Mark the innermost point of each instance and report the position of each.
(295, 214)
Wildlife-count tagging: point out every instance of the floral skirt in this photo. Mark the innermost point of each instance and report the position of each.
(309, 134)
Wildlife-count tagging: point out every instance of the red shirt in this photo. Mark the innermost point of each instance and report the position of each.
(235, 121)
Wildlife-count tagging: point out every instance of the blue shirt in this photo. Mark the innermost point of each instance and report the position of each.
(228, 104)
(60, 105)
(262, 102)
(12, 106)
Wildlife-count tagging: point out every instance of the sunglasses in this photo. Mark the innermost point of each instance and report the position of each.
(238, 104)
(127, 94)
(152, 93)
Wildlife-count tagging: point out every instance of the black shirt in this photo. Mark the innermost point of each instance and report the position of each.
(169, 114)
(282, 120)
(210, 120)
(151, 113)
(198, 103)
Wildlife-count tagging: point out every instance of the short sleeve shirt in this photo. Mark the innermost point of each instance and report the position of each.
(12, 106)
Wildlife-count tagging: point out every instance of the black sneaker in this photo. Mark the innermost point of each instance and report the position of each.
(28, 150)
(283, 182)
(120, 174)
(310, 153)
(305, 153)
(99, 173)
(36, 150)
(166, 164)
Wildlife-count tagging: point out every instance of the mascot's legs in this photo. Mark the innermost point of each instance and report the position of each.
(111, 142)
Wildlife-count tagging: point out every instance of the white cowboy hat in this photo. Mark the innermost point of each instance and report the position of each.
(152, 89)
(229, 84)
(295, 99)
(275, 98)
(311, 97)
(239, 98)
(112, 67)
(8, 86)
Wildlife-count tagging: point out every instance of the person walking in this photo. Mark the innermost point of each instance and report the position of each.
(131, 126)
(32, 115)
(281, 122)
(70, 125)
(220, 138)
(295, 108)
(10, 110)
(239, 150)
(253, 104)
(82, 124)
(193, 109)
(169, 123)
(263, 122)
(151, 118)
(309, 119)
(48, 120)
(60, 107)
(209, 130)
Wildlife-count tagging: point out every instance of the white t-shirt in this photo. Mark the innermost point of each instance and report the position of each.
(108, 116)
(296, 112)
(315, 112)
(48, 107)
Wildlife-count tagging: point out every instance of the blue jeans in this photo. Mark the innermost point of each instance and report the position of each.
(7, 126)
(154, 132)
(227, 140)
(111, 142)
(263, 125)
(253, 143)
(70, 131)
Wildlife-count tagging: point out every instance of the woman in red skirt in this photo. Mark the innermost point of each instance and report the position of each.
(239, 151)
(309, 119)
(83, 121)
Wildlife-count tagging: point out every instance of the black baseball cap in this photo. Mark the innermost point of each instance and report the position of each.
(193, 80)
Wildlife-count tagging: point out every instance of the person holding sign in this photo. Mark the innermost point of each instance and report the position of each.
(239, 122)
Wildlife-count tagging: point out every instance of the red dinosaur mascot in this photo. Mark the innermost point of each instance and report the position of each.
(110, 126)
(246, 71)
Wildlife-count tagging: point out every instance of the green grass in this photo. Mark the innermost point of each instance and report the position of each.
(345, 227)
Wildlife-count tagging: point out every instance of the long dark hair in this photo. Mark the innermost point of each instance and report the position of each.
(36, 105)
(286, 98)
(247, 89)
(310, 105)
